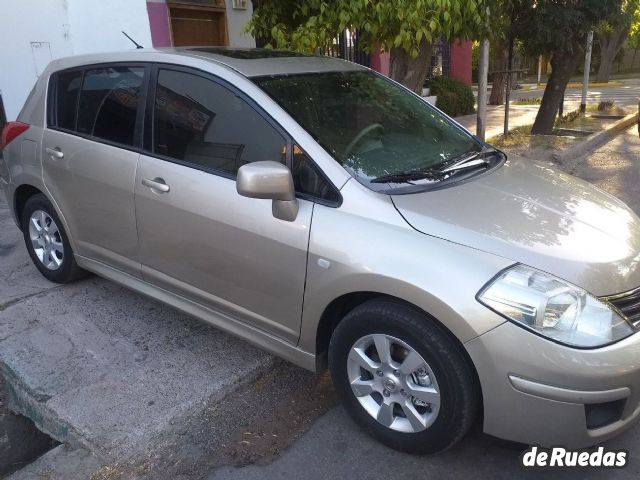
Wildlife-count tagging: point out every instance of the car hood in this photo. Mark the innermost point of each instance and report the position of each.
(536, 215)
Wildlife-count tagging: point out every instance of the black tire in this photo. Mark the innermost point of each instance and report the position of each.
(456, 380)
(68, 270)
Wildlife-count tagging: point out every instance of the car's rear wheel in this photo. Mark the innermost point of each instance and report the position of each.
(47, 241)
(402, 377)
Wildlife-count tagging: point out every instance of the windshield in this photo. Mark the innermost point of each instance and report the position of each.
(370, 125)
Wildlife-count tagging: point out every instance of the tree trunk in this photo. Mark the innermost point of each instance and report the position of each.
(562, 67)
(410, 72)
(610, 45)
(499, 79)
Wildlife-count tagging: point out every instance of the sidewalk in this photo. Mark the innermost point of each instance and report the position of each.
(519, 115)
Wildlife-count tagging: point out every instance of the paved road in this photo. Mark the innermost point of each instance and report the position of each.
(520, 115)
(335, 448)
(626, 96)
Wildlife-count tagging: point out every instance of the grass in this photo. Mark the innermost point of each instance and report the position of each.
(607, 107)
(520, 140)
(517, 137)
(527, 101)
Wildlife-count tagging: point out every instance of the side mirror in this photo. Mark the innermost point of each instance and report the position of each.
(270, 180)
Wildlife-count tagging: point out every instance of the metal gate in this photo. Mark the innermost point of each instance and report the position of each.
(440, 60)
(346, 46)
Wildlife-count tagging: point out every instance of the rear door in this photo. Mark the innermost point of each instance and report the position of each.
(198, 236)
(90, 152)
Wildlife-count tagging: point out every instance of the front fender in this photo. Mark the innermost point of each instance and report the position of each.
(383, 254)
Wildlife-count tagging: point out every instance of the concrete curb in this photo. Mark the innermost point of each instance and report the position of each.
(593, 141)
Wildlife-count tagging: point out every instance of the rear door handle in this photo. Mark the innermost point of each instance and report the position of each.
(55, 153)
(157, 184)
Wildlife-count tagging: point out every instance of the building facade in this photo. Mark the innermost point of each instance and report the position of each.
(34, 32)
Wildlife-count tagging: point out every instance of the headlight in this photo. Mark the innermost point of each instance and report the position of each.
(553, 308)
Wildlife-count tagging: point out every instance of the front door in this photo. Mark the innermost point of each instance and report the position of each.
(89, 159)
(198, 236)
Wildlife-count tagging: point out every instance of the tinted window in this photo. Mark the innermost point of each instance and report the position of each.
(369, 124)
(67, 87)
(109, 103)
(203, 123)
(309, 181)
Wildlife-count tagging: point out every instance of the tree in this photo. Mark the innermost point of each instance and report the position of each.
(612, 34)
(500, 49)
(634, 36)
(558, 29)
(405, 28)
(498, 33)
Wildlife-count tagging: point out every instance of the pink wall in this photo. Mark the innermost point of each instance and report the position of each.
(461, 61)
(380, 62)
(159, 23)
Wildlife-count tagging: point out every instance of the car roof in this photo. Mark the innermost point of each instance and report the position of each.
(250, 62)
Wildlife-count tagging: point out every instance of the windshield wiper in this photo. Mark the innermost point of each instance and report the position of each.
(463, 162)
(410, 175)
(474, 159)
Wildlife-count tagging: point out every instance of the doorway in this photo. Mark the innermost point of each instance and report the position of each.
(195, 25)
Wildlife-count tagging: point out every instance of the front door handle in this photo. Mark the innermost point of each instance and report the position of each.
(55, 153)
(157, 184)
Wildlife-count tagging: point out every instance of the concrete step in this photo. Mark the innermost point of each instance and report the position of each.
(63, 462)
(99, 367)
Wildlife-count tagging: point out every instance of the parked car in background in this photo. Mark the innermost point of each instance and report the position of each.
(325, 213)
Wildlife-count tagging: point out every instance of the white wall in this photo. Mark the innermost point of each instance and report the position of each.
(96, 25)
(21, 23)
(236, 20)
(32, 32)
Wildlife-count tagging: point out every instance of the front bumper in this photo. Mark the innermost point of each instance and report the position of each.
(539, 392)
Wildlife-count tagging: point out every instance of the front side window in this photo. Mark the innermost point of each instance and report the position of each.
(66, 90)
(370, 125)
(109, 103)
(202, 123)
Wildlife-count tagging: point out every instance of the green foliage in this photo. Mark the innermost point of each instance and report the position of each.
(454, 97)
(634, 34)
(550, 26)
(311, 24)
(626, 15)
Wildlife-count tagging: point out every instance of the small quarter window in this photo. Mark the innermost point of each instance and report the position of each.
(109, 103)
(309, 181)
(67, 88)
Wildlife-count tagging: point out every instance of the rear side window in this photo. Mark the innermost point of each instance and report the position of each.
(109, 103)
(67, 88)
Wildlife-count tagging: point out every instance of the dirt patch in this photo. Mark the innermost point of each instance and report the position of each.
(252, 425)
(262, 438)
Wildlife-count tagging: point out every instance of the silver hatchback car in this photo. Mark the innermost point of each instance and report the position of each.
(330, 216)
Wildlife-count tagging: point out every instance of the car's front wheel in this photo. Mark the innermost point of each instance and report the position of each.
(402, 377)
(47, 241)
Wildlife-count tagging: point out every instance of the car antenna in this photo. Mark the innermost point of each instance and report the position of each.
(132, 40)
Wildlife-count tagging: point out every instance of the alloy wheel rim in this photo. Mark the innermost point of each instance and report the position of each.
(393, 383)
(46, 240)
